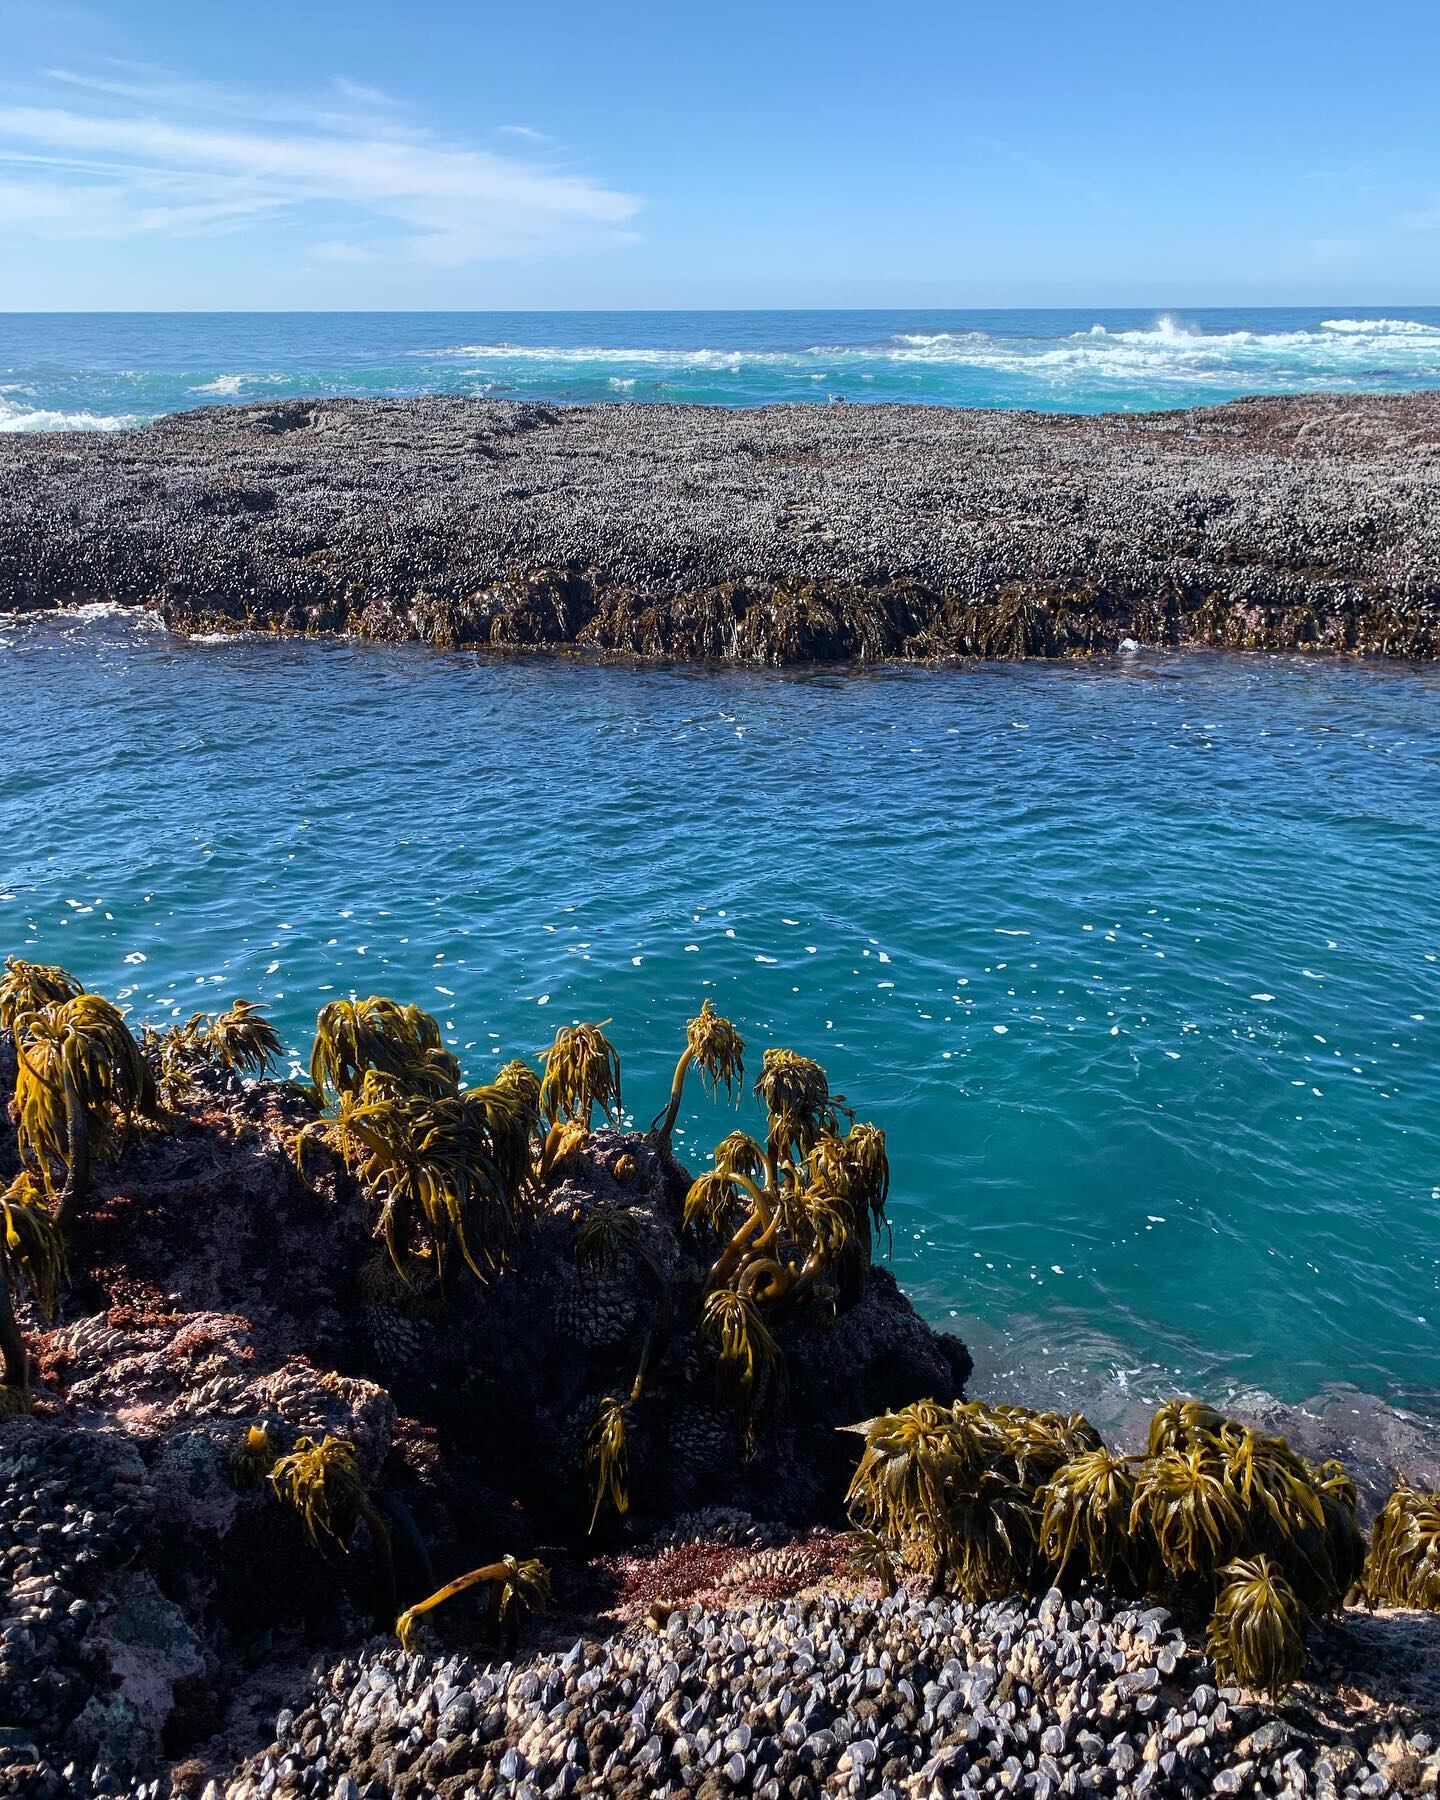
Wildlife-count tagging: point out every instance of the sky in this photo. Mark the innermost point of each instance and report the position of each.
(460, 154)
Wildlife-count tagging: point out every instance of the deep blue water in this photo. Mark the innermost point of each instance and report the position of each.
(1136, 960)
(101, 371)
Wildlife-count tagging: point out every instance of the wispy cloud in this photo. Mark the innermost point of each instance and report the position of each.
(528, 132)
(127, 151)
(1428, 220)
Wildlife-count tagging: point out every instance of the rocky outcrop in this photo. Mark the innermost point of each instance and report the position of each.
(153, 1593)
(788, 534)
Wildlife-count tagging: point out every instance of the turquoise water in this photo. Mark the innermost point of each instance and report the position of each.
(1136, 961)
(102, 371)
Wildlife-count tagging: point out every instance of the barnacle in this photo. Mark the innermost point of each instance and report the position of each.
(515, 1586)
(582, 1071)
(1255, 1638)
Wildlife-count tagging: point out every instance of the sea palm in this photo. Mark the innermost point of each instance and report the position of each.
(582, 1071)
(515, 1586)
(27, 986)
(402, 1043)
(82, 1079)
(32, 1257)
(715, 1047)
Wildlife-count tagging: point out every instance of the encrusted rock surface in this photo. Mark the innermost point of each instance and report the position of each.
(828, 1695)
(786, 534)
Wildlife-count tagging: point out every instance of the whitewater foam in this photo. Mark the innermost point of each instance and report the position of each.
(41, 418)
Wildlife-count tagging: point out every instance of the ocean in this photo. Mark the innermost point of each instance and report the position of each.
(93, 371)
(1137, 961)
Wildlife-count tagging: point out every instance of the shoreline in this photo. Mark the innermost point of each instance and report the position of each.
(774, 536)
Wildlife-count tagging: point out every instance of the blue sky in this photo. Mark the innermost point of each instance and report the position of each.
(438, 154)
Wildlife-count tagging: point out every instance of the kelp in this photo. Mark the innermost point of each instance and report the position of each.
(32, 1260)
(1231, 1522)
(1256, 1634)
(82, 1082)
(1404, 1564)
(716, 1049)
(582, 1071)
(379, 1036)
(515, 1586)
(26, 987)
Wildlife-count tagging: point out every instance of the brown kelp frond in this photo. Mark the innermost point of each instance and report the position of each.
(903, 1483)
(253, 1458)
(607, 1457)
(1190, 1510)
(323, 1483)
(1404, 1564)
(522, 1081)
(82, 1079)
(402, 1042)
(515, 1586)
(716, 1048)
(796, 1094)
(1256, 1635)
(32, 1246)
(752, 1364)
(856, 1169)
(243, 1040)
(472, 1160)
(1086, 1519)
(1265, 1472)
(871, 1557)
(26, 987)
(994, 1529)
(1182, 1424)
(582, 1071)
(714, 1203)
(739, 1154)
(457, 1162)
(606, 1234)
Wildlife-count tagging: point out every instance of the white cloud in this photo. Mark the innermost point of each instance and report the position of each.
(153, 153)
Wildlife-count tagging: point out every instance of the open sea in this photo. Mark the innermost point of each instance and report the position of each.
(98, 371)
(1137, 961)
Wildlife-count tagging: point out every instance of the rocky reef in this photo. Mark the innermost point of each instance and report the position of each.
(788, 534)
